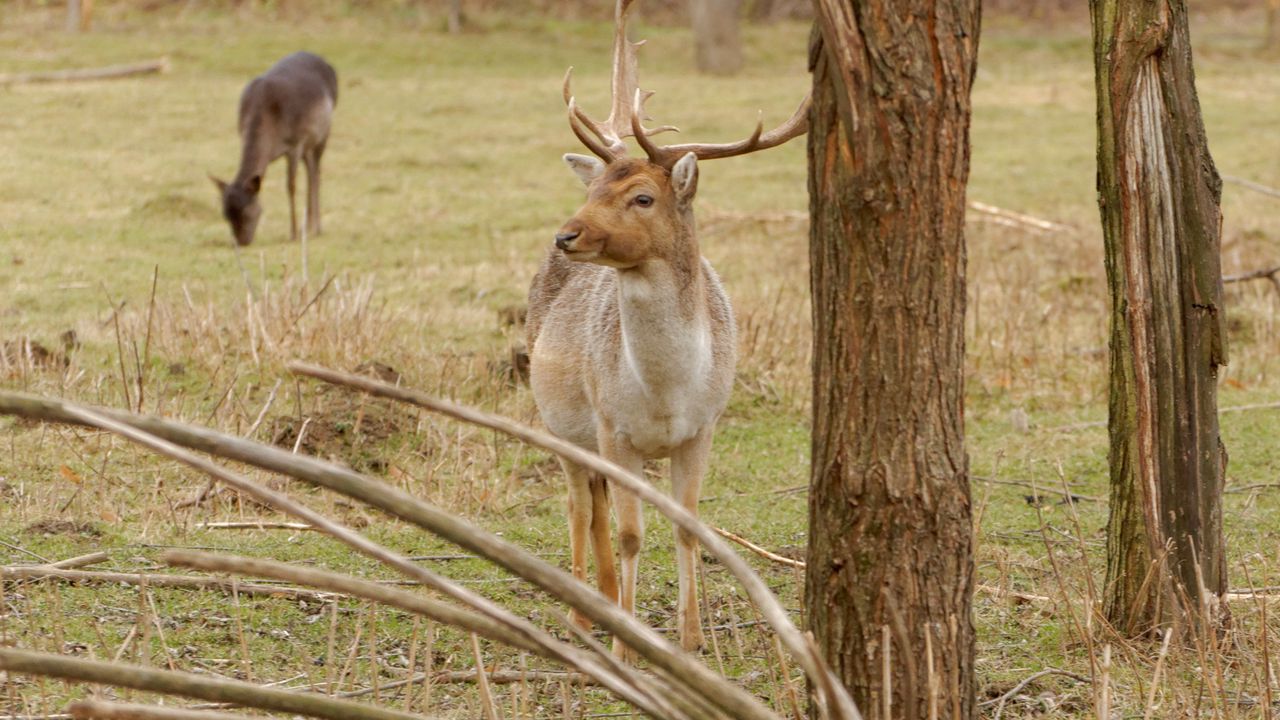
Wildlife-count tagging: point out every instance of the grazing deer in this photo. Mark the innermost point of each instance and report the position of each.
(284, 111)
(632, 337)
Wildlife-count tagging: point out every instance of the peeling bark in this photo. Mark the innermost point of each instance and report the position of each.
(1159, 195)
(890, 565)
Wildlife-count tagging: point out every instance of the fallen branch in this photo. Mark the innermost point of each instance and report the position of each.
(190, 582)
(781, 560)
(1021, 597)
(80, 561)
(111, 72)
(1256, 187)
(1018, 218)
(254, 525)
(831, 693)
(168, 682)
(102, 710)
(1228, 409)
(1268, 274)
(1030, 679)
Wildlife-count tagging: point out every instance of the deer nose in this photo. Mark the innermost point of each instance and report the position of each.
(564, 238)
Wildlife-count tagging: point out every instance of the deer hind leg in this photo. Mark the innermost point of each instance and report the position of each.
(580, 506)
(291, 182)
(688, 466)
(313, 188)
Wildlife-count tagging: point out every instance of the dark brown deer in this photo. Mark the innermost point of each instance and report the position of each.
(631, 336)
(285, 111)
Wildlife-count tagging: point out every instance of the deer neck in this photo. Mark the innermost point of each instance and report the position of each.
(666, 333)
(258, 149)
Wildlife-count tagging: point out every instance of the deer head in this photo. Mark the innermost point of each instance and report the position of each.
(635, 206)
(240, 206)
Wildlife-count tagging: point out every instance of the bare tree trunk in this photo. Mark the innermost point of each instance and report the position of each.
(73, 16)
(717, 42)
(889, 577)
(1159, 194)
(455, 17)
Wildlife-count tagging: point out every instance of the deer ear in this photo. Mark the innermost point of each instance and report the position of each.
(585, 167)
(254, 184)
(222, 186)
(684, 178)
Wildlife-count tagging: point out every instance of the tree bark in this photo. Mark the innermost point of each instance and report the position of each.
(717, 42)
(890, 533)
(1159, 195)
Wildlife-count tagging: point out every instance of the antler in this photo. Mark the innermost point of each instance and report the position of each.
(667, 155)
(626, 113)
(607, 142)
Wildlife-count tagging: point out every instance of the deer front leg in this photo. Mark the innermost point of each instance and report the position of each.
(313, 189)
(579, 482)
(291, 182)
(601, 540)
(688, 466)
(630, 530)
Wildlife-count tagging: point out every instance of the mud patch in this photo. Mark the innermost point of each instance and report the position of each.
(63, 527)
(348, 426)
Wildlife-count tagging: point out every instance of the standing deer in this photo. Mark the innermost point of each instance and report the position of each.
(284, 111)
(632, 336)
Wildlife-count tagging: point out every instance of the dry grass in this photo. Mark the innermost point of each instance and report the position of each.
(442, 187)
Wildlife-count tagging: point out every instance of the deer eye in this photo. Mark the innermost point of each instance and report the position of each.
(643, 200)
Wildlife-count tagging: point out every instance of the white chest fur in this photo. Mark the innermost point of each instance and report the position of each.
(667, 385)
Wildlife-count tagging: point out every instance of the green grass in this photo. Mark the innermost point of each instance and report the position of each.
(442, 188)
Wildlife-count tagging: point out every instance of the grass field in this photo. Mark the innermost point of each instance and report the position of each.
(442, 189)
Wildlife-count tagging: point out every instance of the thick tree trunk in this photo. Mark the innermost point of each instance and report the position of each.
(1159, 195)
(717, 43)
(890, 533)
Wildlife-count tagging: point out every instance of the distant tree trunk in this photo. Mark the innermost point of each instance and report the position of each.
(1159, 194)
(717, 42)
(890, 521)
(75, 15)
(455, 17)
(1272, 40)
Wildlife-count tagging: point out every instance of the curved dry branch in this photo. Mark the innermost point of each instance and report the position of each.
(168, 682)
(630, 688)
(191, 582)
(838, 702)
(409, 602)
(690, 681)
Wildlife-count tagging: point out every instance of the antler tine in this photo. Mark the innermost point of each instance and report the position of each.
(795, 126)
(580, 128)
(657, 154)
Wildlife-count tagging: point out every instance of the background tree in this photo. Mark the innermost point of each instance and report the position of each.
(717, 42)
(1159, 193)
(890, 566)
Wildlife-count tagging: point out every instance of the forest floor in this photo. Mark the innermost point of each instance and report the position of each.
(442, 188)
